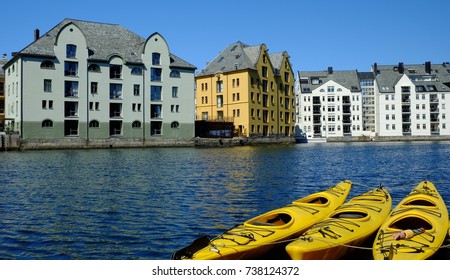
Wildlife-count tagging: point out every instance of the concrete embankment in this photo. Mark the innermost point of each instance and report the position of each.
(13, 142)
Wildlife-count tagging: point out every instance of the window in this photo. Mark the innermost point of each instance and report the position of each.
(205, 116)
(70, 68)
(94, 87)
(175, 74)
(219, 87)
(70, 89)
(136, 71)
(136, 124)
(156, 59)
(44, 104)
(431, 88)
(420, 88)
(94, 124)
(155, 74)
(47, 85)
(264, 71)
(93, 68)
(115, 71)
(47, 64)
(115, 91)
(174, 92)
(330, 89)
(137, 90)
(155, 93)
(71, 51)
(47, 123)
(286, 77)
(265, 87)
(175, 125)
(219, 101)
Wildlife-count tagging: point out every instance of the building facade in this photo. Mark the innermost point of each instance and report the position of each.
(329, 103)
(249, 87)
(390, 101)
(412, 100)
(3, 61)
(90, 81)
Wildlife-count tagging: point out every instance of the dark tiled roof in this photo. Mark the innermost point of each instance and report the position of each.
(103, 40)
(366, 75)
(348, 79)
(235, 57)
(438, 75)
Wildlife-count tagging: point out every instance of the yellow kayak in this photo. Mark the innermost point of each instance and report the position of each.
(415, 229)
(349, 225)
(257, 236)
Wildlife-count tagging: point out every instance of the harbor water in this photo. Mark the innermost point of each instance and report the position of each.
(130, 204)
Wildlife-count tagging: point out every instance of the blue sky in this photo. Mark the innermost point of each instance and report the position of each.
(345, 34)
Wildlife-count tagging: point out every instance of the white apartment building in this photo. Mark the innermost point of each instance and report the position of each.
(412, 100)
(329, 103)
(86, 80)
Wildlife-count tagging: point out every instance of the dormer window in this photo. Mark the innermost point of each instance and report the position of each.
(93, 68)
(47, 64)
(175, 74)
(136, 71)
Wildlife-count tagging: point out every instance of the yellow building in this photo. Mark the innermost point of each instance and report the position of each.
(249, 87)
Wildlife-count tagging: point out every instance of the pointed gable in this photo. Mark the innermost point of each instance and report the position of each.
(236, 56)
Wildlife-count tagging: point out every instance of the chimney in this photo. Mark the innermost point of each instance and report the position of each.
(36, 34)
(375, 68)
(401, 69)
(330, 70)
(428, 67)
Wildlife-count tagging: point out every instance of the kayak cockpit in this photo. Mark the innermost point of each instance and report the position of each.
(274, 219)
(411, 222)
(420, 202)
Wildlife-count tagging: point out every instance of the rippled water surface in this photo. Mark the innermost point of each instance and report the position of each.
(147, 203)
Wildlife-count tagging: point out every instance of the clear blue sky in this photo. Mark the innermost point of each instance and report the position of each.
(345, 34)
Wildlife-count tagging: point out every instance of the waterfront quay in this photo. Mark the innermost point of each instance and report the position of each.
(12, 142)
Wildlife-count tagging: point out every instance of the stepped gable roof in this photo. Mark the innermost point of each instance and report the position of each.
(348, 79)
(236, 56)
(437, 78)
(103, 41)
